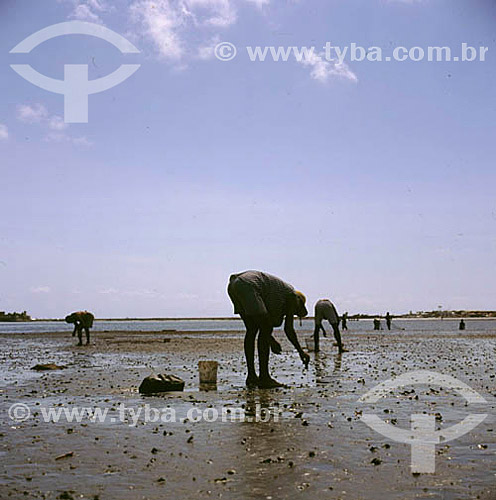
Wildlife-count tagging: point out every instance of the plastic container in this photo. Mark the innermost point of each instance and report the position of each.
(208, 372)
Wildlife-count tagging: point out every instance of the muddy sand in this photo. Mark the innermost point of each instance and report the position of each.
(313, 443)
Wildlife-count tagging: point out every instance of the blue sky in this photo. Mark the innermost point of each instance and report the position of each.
(374, 188)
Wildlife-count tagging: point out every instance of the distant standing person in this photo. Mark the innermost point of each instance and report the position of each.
(344, 321)
(389, 318)
(324, 309)
(462, 325)
(82, 320)
(264, 302)
(377, 324)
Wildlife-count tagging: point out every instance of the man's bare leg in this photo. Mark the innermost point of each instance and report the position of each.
(264, 340)
(251, 333)
(337, 336)
(316, 334)
(87, 330)
(275, 347)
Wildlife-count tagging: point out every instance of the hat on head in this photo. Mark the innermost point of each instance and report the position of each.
(301, 296)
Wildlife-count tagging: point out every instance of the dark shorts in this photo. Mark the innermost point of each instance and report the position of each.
(245, 297)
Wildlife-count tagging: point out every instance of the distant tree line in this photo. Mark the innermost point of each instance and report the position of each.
(14, 316)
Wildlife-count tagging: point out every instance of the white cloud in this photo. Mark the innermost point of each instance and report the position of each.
(259, 3)
(40, 289)
(81, 141)
(31, 114)
(83, 12)
(161, 22)
(38, 113)
(4, 132)
(168, 24)
(87, 10)
(322, 70)
(56, 122)
(206, 51)
(213, 12)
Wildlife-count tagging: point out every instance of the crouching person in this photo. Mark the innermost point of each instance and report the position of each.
(82, 320)
(325, 310)
(264, 302)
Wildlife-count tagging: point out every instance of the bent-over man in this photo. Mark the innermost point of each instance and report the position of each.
(324, 309)
(83, 320)
(264, 302)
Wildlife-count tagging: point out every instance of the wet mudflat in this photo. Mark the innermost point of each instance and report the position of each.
(308, 442)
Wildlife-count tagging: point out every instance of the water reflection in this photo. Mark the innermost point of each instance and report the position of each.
(322, 367)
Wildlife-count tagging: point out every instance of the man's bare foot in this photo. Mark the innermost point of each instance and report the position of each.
(342, 349)
(269, 383)
(252, 381)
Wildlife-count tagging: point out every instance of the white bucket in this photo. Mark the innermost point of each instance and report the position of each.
(208, 372)
(310, 342)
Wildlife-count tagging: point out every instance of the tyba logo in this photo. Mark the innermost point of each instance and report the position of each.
(422, 436)
(75, 87)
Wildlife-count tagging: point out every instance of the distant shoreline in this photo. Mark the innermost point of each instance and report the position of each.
(233, 318)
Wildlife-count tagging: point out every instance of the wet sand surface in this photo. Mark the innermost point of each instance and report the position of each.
(314, 444)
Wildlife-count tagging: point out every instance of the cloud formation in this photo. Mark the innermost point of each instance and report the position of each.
(35, 113)
(4, 132)
(54, 124)
(88, 10)
(322, 69)
(168, 24)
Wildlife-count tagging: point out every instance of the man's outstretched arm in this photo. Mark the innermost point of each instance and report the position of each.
(291, 335)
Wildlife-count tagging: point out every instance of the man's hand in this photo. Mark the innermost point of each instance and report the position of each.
(305, 358)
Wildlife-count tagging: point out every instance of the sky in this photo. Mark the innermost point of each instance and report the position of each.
(369, 183)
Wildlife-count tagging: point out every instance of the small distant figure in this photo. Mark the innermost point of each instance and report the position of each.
(324, 309)
(82, 320)
(264, 301)
(377, 324)
(389, 318)
(461, 326)
(344, 321)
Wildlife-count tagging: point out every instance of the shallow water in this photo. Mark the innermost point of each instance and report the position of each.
(410, 326)
(319, 447)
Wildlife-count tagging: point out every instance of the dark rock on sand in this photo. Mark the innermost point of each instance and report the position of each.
(48, 366)
(161, 383)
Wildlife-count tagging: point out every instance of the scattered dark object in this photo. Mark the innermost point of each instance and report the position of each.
(161, 383)
(48, 366)
(65, 496)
